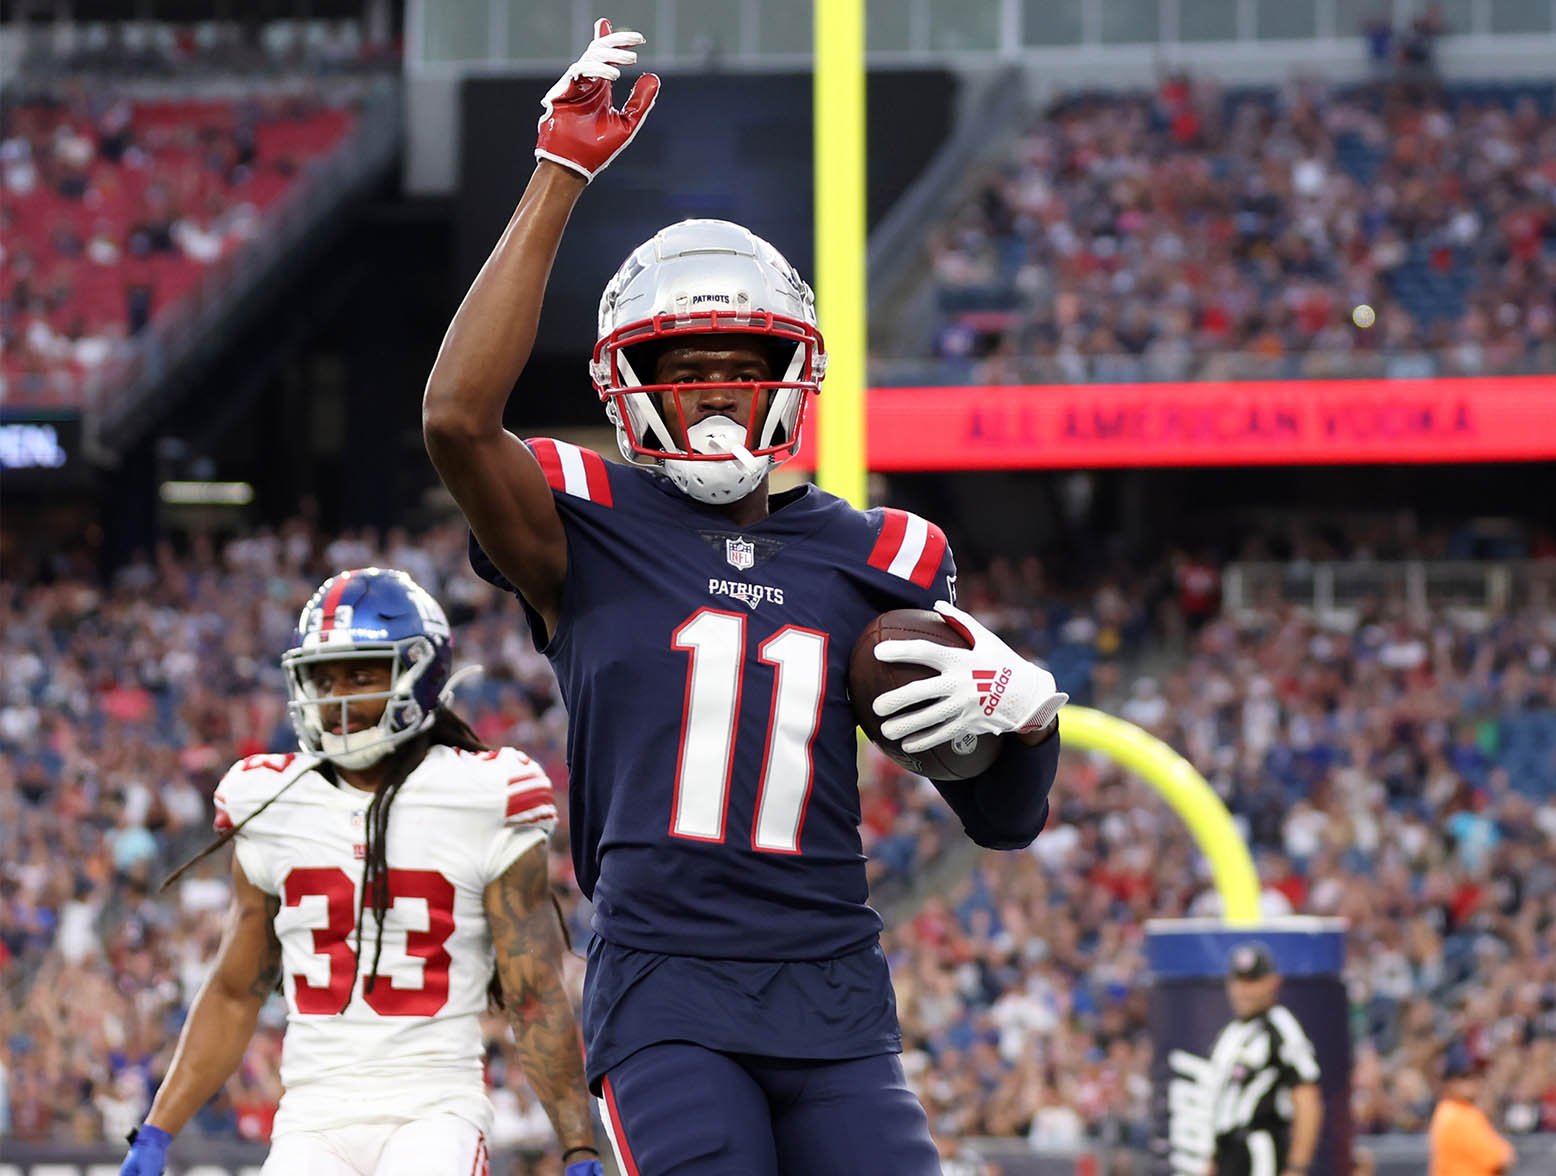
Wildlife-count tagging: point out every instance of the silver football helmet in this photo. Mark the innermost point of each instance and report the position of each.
(703, 277)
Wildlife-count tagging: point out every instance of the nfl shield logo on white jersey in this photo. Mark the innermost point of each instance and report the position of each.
(741, 553)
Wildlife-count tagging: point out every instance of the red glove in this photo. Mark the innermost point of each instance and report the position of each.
(578, 126)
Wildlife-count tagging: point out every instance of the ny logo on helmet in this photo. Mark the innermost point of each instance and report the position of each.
(433, 619)
(741, 553)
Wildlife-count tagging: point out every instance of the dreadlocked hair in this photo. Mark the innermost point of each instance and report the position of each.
(447, 729)
(450, 730)
(224, 837)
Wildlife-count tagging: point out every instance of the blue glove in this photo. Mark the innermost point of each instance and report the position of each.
(581, 1168)
(148, 1152)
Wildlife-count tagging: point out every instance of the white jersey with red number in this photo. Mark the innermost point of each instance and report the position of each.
(412, 1047)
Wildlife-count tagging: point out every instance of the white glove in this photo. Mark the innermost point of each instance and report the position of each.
(987, 689)
(578, 127)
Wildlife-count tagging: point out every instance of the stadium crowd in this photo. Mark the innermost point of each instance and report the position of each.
(122, 705)
(1202, 233)
(112, 209)
(1401, 774)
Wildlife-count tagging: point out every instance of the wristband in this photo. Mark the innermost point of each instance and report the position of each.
(153, 1135)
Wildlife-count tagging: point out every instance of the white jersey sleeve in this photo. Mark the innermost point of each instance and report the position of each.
(528, 808)
(1296, 1051)
(243, 791)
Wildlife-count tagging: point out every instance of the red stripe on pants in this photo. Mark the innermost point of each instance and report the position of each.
(618, 1130)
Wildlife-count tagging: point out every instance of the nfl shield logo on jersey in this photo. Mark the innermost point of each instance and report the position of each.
(741, 553)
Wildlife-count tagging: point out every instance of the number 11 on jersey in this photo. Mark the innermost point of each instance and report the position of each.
(716, 643)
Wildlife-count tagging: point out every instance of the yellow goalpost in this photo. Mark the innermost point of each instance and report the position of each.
(840, 266)
(1186, 791)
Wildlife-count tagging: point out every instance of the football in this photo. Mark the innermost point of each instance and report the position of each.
(868, 679)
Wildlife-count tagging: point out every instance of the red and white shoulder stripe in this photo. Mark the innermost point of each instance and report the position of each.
(530, 800)
(255, 772)
(571, 469)
(908, 547)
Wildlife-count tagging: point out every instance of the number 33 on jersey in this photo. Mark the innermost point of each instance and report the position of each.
(456, 825)
(711, 742)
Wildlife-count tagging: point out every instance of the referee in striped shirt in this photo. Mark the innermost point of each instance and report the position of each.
(1264, 1077)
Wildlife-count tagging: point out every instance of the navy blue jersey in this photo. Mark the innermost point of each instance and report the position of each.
(711, 744)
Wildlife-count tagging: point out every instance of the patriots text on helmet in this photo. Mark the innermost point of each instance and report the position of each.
(693, 280)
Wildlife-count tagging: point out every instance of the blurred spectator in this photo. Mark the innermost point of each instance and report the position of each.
(1206, 234)
(1378, 31)
(123, 704)
(112, 208)
(1412, 794)
(1463, 1141)
(1418, 48)
(958, 1158)
(1399, 772)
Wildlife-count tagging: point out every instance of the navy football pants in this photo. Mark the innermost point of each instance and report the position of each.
(677, 1109)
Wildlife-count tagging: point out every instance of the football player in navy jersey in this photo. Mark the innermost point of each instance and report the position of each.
(737, 1010)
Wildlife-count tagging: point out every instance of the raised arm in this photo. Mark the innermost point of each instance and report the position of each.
(499, 486)
(223, 1016)
(491, 474)
(528, 937)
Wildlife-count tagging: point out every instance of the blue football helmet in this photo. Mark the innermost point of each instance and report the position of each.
(368, 612)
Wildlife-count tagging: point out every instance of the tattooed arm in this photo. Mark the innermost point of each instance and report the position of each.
(223, 1016)
(528, 937)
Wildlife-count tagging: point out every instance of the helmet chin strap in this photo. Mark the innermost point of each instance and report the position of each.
(716, 482)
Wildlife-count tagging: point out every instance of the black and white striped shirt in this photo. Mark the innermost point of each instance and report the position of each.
(1254, 1065)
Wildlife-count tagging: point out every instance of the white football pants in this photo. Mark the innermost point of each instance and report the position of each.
(443, 1145)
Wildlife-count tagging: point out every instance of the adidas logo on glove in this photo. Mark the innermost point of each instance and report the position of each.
(991, 687)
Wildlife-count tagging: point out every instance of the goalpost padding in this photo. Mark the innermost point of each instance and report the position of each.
(1187, 960)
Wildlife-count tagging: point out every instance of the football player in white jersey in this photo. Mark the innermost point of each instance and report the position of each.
(380, 872)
